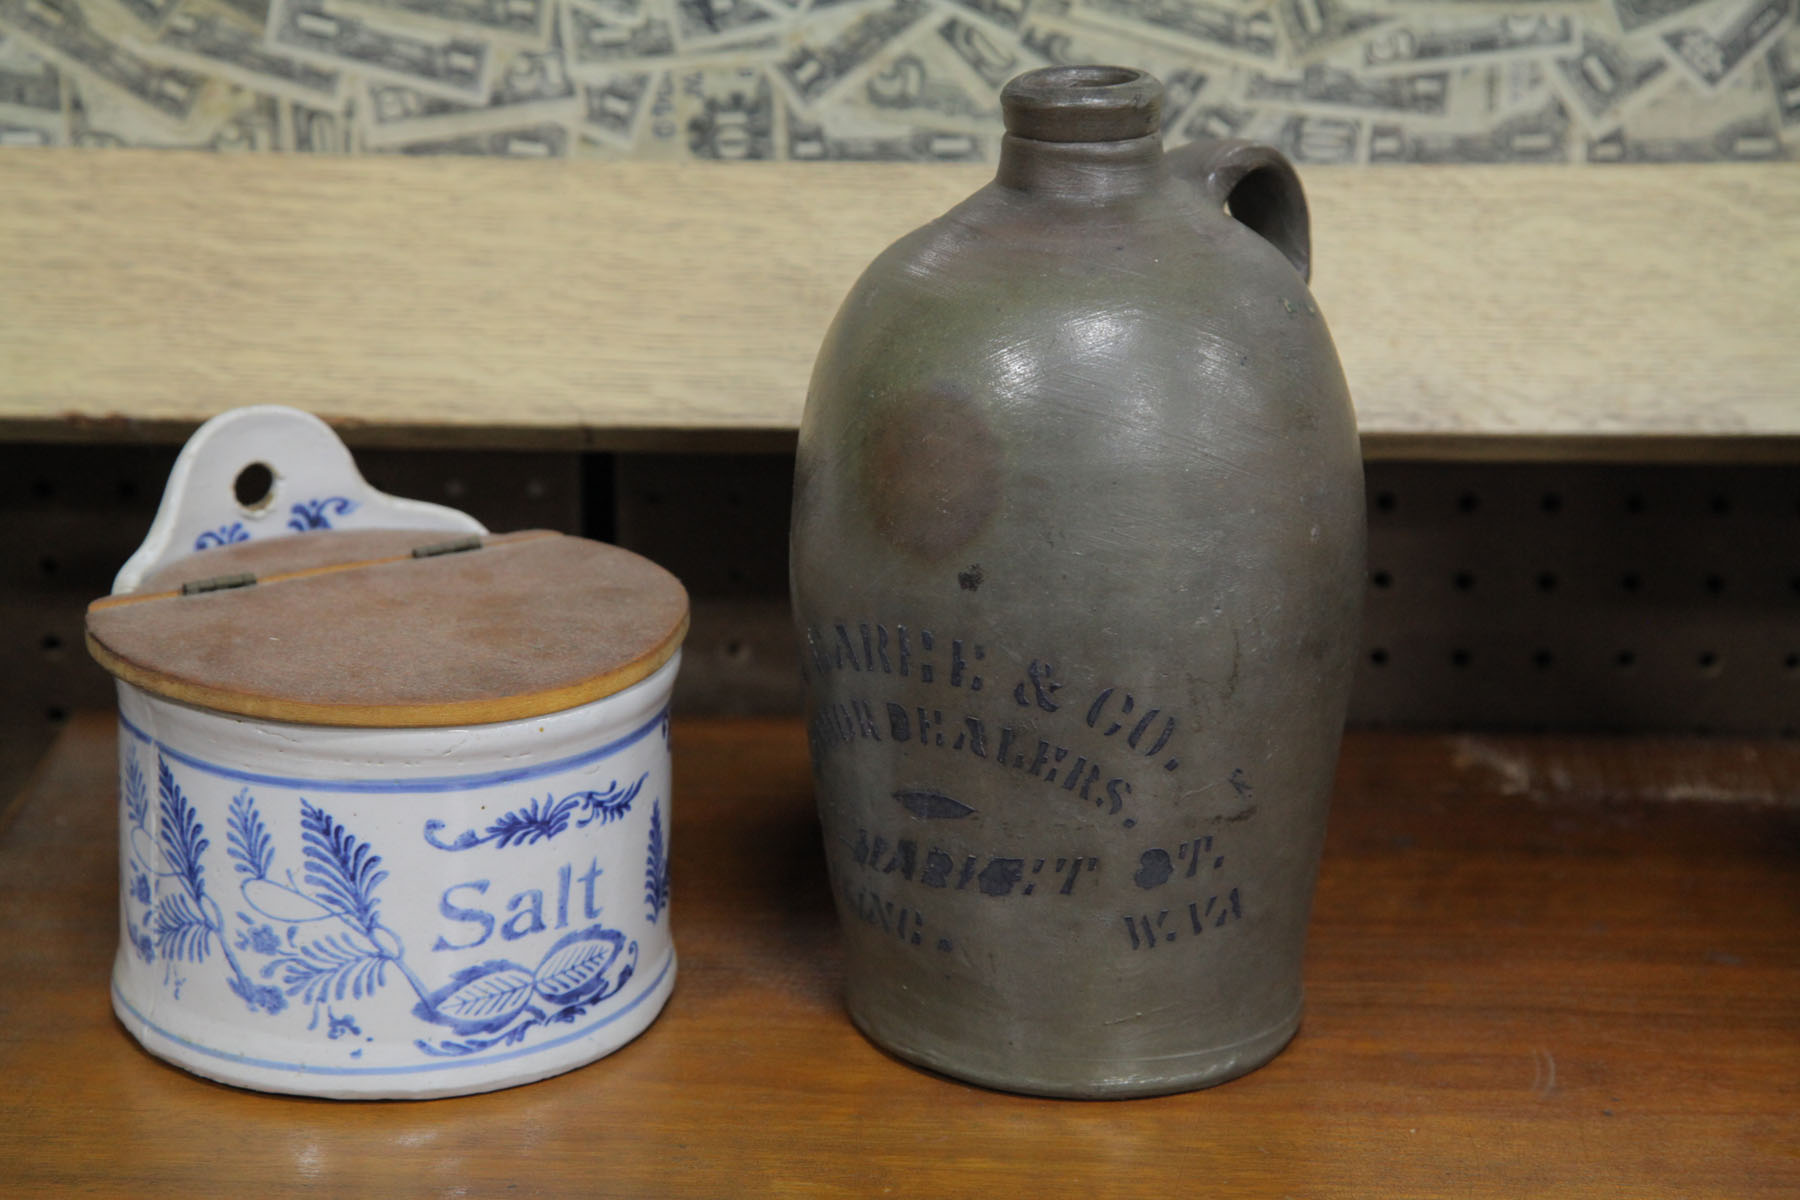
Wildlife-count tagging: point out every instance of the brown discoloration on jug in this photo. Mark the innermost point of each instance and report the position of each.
(931, 473)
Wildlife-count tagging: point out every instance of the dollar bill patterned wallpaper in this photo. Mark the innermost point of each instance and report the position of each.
(1329, 81)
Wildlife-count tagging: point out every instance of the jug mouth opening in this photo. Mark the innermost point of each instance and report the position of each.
(1083, 104)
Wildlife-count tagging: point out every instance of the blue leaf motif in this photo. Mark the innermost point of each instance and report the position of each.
(539, 821)
(575, 968)
(656, 867)
(343, 871)
(330, 968)
(481, 998)
(182, 933)
(248, 840)
(137, 793)
(317, 514)
(179, 831)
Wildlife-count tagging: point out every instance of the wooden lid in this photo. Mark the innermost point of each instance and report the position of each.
(394, 627)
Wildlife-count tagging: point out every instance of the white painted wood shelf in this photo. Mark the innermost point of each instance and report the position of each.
(1507, 312)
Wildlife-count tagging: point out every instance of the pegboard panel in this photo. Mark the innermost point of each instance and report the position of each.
(1501, 596)
(720, 522)
(1582, 597)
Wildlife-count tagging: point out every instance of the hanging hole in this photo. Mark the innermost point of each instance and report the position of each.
(254, 486)
(1625, 660)
(1385, 501)
(43, 489)
(48, 565)
(1460, 658)
(1720, 504)
(1543, 660)
(1378, 657)
(1715, 584)
(50, 643)
(56, 714)
(1792, 662)
(1634, 504)
(1382, 580)
(1463, 581)
(1709, 663)
(1546, 581)
(737, 651)
(1468, 502)
(1631, 581)
(1551, 503)
(127, 490)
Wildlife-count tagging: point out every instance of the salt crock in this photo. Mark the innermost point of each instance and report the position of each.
(394, 795)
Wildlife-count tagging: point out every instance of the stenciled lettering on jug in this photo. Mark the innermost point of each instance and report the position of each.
(905, 923)
(952, 869)
(1188, 881)
(1101, 736)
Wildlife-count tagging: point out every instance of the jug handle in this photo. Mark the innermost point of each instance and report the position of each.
(1258, 186)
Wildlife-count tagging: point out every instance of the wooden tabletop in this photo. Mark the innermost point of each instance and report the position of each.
(1538, 967)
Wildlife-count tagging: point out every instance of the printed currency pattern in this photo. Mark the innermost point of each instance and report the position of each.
(1327, 81)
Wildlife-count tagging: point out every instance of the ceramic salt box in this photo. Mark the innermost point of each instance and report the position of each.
(394, 794)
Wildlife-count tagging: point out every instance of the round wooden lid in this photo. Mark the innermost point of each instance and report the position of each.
(394, 627)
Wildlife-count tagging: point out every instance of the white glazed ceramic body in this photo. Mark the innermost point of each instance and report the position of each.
(393, 912)
(314, 485)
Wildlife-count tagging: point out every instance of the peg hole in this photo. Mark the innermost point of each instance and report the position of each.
(254, 485)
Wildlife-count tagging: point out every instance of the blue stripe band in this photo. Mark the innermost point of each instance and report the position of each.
(441, 783)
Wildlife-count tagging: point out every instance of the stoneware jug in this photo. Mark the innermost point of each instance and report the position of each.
(1077, 561)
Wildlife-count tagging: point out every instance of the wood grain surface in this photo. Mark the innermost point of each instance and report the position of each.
(1639, 312)
(527, 624)
(1538, 967)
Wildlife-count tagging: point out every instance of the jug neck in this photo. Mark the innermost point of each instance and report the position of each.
(1082, 133)
(1084, 171)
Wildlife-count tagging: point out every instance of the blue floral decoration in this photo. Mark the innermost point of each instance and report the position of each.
(309, 515)
(542, 820)
(224, 535)
(336, 947)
